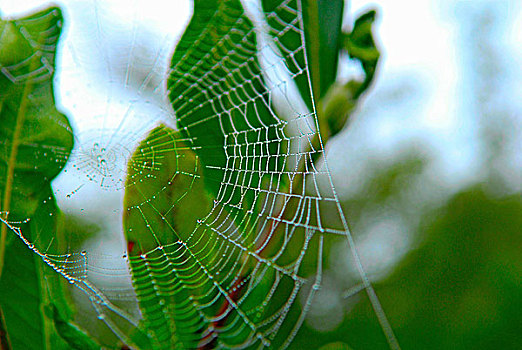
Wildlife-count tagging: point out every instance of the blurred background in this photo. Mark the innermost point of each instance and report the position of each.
(429, 171)
(428, 168)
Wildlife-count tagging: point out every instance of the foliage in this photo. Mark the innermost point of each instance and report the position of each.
(30, 125)
(459, 288)
(27, 103)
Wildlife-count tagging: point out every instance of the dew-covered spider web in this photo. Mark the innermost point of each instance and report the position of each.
(196, 208)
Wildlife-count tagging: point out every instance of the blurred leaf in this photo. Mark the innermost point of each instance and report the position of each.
(73, 335)
(35, 143)
(462, 287)
(322, 21)
(5, 344)
(335, 346)
(336, 107)
(340, 100)
(361, 46)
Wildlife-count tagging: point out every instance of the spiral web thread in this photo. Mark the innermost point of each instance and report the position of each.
(215, 274)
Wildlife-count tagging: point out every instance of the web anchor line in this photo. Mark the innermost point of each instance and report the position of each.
(376, 304)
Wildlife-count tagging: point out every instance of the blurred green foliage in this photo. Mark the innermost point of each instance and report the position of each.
(460, 288)
(460, 285)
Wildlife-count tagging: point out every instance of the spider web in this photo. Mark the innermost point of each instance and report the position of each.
(247, 272)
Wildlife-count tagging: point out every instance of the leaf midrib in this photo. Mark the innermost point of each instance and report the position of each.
(11, 165)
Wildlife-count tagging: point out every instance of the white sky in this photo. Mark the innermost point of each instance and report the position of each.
(420, 41)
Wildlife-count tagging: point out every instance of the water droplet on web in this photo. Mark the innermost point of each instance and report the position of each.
(101, 316)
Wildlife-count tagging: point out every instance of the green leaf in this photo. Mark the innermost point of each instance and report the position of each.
(221, 102)
(74, 336)
(322, 21)
(335, 346)
(5, 344)
(36, 139)
(166, 173)
(20, 298)
(27, 284)
(35, 142)
(176, 258)
(341, 99)
(164, 198)
(361, 46)
(336, 107)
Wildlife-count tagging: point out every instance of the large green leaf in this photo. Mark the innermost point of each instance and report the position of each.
(35, 141)
(28, 284)
(189, 277)
(320, 24)
(164, 198)
(222, 104)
